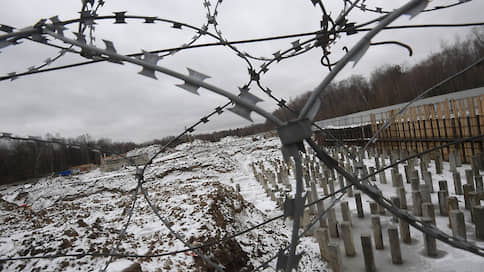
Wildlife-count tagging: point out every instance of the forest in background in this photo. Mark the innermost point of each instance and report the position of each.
(20, 160)
(387, 85)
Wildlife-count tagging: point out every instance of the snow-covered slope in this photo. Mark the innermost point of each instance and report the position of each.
(193, 186)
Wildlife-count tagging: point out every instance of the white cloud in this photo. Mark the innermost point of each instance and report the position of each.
(110, 100)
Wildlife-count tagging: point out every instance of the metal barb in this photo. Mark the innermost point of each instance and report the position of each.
(152, 59)
(241, 110)
(110, 48)
(190, 87)
(120, 17)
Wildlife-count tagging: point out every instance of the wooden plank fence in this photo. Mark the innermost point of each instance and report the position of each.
(420, 128)
(426, 126)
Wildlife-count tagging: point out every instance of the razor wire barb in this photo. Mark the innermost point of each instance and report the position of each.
(292, 133)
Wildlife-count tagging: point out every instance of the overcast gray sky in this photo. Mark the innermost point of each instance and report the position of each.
(110, 100)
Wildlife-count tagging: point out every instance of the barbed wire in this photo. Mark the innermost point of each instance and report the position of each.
(122, 233)
(363, 7)
(292, 133)
(81, 29)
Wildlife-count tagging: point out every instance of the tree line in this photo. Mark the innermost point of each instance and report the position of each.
(20, 160)
(389, 85)
(394, 84)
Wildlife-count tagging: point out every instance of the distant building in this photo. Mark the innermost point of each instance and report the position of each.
(116, 162)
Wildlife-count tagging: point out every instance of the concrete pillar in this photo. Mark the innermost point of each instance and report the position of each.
(332, 223)
(309, 199)
(305, 221)
(458, 161)
(383, 177)
(314, 196)
(324, 185)
(322, 221)
(394, 177)
(425, 193)
(443, 185)
(428, 211)
(469, 177)
(467, 188)
(399, 180)
(438, 163)
(334, 257)
(377, 232)
(394, 245)
(402, 197)
(331, 186)
(350, 190)
(423, 167)
(428, 181)
(457, 183)
(458, 224)
(479, 184)
(413, 174)
(474, 201)
(405, 231)
(345, 211)
(322, 236)
(373, 208)
(381, 210)
(341, 181)
(452, 161)
(443, 195)
(452, 204)
(417, 203)
(367, 252)
(479, 221)
(475, 165)
(272, 194)
(429, 242)
(415, 183)
(407, 173)
(359, 205)
(347, 239)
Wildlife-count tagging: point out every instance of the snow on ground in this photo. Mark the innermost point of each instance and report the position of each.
(450, 259)
(193, 186)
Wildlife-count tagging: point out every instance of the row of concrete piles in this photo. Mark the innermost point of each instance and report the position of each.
(274, 176)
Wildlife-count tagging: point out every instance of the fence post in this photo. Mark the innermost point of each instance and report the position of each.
(367, 252)
(394, 245)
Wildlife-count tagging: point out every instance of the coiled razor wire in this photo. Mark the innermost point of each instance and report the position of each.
(292, 133)
(381, 10)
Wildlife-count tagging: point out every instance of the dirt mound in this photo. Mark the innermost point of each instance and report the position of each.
(224, 205)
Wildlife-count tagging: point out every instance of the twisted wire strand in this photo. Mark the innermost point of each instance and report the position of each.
(380, 199)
